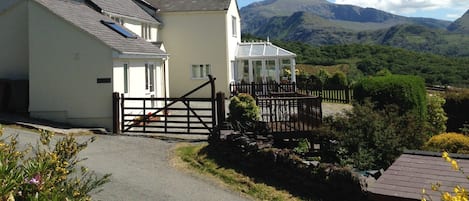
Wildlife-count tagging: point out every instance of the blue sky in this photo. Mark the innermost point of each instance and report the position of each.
(438, 9)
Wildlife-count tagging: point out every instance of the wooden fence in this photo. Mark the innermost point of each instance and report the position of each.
(290, 116)
(344, 95)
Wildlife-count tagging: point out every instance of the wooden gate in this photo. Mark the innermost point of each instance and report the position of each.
(181, 115)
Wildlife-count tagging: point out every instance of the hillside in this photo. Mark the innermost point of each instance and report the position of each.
(461, 25)
(360, 60)
(319, 22)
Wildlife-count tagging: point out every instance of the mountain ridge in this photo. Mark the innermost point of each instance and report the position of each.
(320, 22)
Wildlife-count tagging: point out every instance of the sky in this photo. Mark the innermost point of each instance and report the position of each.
(438, 9)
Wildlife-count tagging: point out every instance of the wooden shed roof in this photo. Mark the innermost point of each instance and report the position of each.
(413, 171)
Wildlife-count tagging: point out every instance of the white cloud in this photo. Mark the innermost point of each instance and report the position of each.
(407, 6)
(453, 16)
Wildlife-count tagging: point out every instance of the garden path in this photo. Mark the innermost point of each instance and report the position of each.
(140, 169)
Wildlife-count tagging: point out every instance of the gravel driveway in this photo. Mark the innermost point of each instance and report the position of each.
(140, 170)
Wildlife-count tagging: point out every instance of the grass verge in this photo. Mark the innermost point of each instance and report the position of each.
(196, 157)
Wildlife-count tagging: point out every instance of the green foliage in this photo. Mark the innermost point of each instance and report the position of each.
(243, 111)
(303, 146)
(337, 81)
(383, 72)
(436, 114)
(370, 59)
(323, 75)
(49, 173)
(406, 91)
(449, 142)
(372, 138)
(457, 108)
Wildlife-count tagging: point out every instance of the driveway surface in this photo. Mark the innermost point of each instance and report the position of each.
(140, 170)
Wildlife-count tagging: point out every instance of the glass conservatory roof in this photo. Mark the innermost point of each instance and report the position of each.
(248, 50)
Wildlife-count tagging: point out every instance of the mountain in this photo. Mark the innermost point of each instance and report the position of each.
(320, 22)
(461, 25)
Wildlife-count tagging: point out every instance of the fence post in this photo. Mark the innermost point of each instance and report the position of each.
(122, 113)
(253, 89)
(347, 94)
(294, 87)
(115, 113)
(221, 108)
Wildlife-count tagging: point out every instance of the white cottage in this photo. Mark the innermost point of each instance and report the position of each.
(204, 37)
(201, 37)
(76, 53)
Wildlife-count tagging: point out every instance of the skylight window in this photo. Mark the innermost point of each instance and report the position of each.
(117, 28)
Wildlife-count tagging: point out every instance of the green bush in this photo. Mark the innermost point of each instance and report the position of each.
(406, 91)
(457, 109)
(449, 142)
(371, 138)
(436, 115)
(49, 173)
(337, 81)
(243, 111)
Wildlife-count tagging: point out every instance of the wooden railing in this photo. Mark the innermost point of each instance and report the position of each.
(338, 95)
(261, 89)
(292, 115)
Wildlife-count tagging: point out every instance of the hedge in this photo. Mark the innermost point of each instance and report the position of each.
(406, 91)
(457, 109)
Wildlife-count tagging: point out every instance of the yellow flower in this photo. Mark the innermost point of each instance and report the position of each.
(454, 164)
(423, 192)
(76, 194)
(446, 197)
(435, 187)
(445, 155)
(423, 199)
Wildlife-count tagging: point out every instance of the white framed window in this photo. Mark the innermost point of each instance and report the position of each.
(200, 71)
(150, 77)
(234, 26)
(126, 78)
(146, 31)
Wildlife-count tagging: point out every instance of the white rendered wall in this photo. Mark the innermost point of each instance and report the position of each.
(136, 27)
(14, 40)
(65, 63)
(196, 38)
(232, 40)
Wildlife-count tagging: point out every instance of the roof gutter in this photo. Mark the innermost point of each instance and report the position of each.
(139, 55)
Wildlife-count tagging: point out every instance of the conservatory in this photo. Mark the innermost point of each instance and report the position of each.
(263, 62)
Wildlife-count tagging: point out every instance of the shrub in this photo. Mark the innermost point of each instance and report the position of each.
(457, 108)
(337, 81)
(406, 91)
(50, 173)
(436, 115)
(450, 142)
(372, 138)
(243, 111)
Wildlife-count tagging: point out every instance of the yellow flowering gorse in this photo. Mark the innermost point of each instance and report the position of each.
(459, 193)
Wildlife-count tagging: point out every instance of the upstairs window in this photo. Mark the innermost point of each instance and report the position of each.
(146, 31)
(234, 26)
(200, 71)
(117, 28)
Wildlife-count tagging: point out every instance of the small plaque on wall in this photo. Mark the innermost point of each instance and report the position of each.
(103, 80)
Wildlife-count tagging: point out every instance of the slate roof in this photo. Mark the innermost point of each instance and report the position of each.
(125, 7)
(190, 5)
(411, 172)
(248, 50)
(88, 20)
